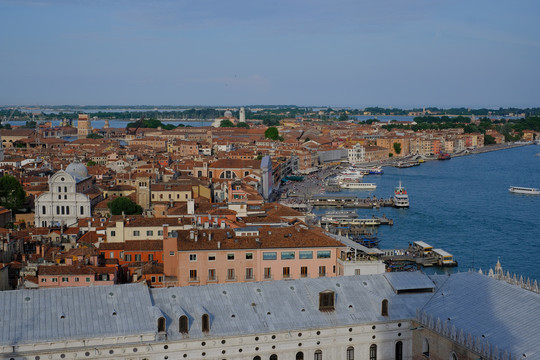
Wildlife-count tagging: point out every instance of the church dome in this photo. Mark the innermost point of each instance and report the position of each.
(77, 170)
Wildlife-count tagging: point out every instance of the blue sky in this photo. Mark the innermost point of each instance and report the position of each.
(401, 53)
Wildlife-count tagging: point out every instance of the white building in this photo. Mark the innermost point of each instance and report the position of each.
(65, 202)
(356, 154)
(398, 316)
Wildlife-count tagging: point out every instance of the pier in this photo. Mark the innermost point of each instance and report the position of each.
(344, 201)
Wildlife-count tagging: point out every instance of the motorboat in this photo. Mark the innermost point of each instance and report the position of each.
(524, 190)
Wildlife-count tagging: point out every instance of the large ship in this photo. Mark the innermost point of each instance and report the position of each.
(401, 199)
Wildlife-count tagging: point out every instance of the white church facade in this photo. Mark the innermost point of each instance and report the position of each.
(65, 201)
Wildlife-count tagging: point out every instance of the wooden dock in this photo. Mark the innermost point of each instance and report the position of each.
(338, 201)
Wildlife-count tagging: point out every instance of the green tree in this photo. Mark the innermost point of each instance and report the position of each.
(343, 117)
(226, 123)
(397, 148)
(272, 133)
(91, 163)
(489, 140)
(11, 193)
(243, 125)
(30, 125)
(124, 204)
(94, 136)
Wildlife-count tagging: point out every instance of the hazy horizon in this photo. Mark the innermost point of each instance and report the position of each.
(481, 54)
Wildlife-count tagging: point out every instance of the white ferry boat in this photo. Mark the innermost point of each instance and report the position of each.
(524, 190)
(350, 174)
(401, 199)
(354, 185)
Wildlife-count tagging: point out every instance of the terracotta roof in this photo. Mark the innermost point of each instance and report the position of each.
(269, 238)
(111, 246)
(64, 270)
(143, 245)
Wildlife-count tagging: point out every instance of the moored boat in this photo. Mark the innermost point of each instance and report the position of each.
(401, 198)
(354, 185)
(444, 156)
(524, 190)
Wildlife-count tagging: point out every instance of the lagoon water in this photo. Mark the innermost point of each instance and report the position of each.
(464, 207)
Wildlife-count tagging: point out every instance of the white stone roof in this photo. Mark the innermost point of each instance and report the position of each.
(503, 314)
(34, 316)
(264, 307)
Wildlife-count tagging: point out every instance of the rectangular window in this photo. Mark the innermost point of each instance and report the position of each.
(287, 255)
(59, 189)
(137, 257)
(128, 257)
(357, 272)
(76, 279)
(87, 279)
(54, 280)
(113, 233)
(249, 273)
(267, 273)
(305, 255)
(286, 272)
(249, 256)
(160, 278)
(82, 210)
(212, 275)
(269, 255)
(111, 255)
(192, 257)
(322, 270)
(230, 256)
(153, 279)
(303, 271)
(43, 280)
(192, 275)
(171, 253)
(136, 233)
(211, 257)
(160, 232)
(324, 254)
(149, 233)
(230, 274)
(43, 210)
(150, 257)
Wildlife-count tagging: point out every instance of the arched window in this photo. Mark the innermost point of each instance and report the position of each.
(257, 357)
(299, 355)
(161, 324)
(399, 350)
(350, 353)
(43, 209)
(67, 210)
(205, 323)
(317, 355)
(384, 308)
(184, 324)
(425, 347)
(273, 357)
(373, 352)
(453, 356)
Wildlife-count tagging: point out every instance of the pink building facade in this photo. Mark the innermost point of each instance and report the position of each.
(249, 254)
